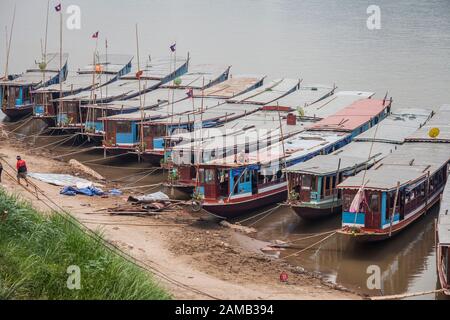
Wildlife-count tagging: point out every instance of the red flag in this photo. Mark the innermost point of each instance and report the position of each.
(95, 35)
(190, 93)
(173, 47)
(58, 8)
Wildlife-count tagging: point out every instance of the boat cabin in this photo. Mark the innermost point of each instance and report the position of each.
(16, 95)
(107, 69)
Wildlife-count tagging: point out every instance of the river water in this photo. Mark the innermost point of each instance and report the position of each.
(323, 42)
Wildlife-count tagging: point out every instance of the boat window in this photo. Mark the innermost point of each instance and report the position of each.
(123, 127)
(209, 176)
(347, 201)
(306, 182)
(374, 202)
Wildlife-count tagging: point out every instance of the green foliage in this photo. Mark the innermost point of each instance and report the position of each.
(36, 249)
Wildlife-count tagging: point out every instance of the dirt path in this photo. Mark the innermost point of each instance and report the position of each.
(198, 254)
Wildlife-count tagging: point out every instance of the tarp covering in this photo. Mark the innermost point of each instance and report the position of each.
(87, 191)
(149, 198)
(61, 180)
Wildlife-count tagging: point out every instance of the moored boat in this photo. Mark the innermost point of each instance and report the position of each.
(123, 134)
(313, 184)
(106, 70)
(16, 94)
(76, 110)
(382, 201)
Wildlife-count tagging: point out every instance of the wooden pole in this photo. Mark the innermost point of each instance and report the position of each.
(393, 209)
(337, 182)
(44, 57)
(140, 95)
(286, 176)
(9, 42)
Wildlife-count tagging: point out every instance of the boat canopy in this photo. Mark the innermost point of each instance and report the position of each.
(334, 103)
(304, 96)
(397, 126)
(159, 68)
(268, 92)
(410, 163)
(201, 76)
(389, 132)
(35, 76)
(109, 64)
(234, 86)
(441, 121)
(352, 117)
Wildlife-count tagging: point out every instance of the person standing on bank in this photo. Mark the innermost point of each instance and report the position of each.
(1, 169)
(21, 170)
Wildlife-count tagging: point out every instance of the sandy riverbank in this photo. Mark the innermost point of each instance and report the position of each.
(199, 254)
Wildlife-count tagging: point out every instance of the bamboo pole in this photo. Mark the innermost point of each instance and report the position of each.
(393, 209)
(9, 42)
(406, 295)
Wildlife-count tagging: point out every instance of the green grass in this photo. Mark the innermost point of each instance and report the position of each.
(37, 249)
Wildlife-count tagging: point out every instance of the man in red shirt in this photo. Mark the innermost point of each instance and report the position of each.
(21, 170)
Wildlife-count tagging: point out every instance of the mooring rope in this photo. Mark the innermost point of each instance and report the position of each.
(259, 214)
(310, 246)
(108, 245)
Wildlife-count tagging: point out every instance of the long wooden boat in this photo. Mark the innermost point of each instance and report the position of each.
(443, 241)
(245, 132)
(231, 186)
(73, 115)
(313, 184)
(122, 132)
(199, 77)
(16, 94)
(415, 175)
(107, 69)
(236, 108)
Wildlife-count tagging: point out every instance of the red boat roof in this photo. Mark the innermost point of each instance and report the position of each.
(353, 116)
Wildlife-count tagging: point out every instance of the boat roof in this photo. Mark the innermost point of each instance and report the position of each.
(297, 146)
(268, 92)
(76, 82)
(110, 63)
(304, 96)
(230, 134)
(352, 116)
(83, 80)
(441, 121)
(408, 164)
(158, 68)
(226, 112)
(150, 99)
(352, 155)
(334, 103)
(165, 110)
(396, 127)
(233, 86)
(444, 217)
(34, 76)
(200, 76)
(113, 91)
(390, 132)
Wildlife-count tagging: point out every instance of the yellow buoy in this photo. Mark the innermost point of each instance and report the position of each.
(434, 132)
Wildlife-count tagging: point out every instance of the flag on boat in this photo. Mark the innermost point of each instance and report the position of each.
(58, 8)
(173, 47)
(190, 93)
(95, 35)
(358, 201)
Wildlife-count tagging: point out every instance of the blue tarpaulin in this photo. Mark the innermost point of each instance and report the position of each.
(88, 191)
